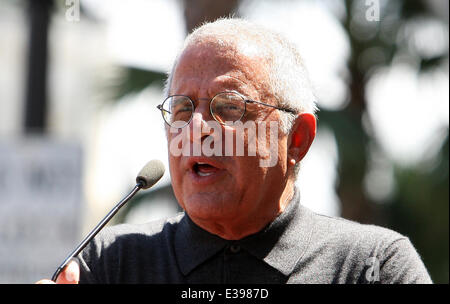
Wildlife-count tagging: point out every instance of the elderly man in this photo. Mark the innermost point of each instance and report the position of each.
(243, 219)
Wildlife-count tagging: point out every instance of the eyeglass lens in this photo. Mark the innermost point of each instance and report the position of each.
(225, 107)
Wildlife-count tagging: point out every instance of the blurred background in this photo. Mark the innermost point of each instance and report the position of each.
(80, 81)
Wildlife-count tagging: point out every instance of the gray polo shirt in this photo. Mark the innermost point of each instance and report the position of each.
(299, 246)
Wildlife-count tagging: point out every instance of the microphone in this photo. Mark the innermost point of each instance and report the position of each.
(150, 174)
(147, 177)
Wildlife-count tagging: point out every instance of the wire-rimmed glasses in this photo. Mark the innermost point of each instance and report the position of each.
(225, 107)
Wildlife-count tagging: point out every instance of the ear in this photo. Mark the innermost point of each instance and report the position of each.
(302, 135)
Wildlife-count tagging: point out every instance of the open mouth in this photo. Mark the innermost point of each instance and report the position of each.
(204, 169)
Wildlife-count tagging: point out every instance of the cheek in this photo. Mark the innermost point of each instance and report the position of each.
(174, 157)
(271, 144)
(174, 172)
(176, 179)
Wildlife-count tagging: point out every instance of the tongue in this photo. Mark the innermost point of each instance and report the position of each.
(204, 168)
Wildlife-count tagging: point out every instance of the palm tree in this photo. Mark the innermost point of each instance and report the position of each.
(36, 87)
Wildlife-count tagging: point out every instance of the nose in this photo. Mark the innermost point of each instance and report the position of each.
(198, 127)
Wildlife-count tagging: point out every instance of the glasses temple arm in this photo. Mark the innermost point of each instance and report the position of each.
(269, 105)
(159, 107)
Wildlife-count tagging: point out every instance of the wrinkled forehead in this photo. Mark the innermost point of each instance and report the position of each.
(245, 44)
(222, 55)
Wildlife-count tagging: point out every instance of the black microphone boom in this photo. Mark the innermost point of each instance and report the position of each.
(147, 177)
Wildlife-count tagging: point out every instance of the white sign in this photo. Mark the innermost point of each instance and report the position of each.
(40, 204)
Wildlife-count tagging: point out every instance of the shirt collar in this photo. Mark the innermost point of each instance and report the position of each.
(193, 245)
(281, 244)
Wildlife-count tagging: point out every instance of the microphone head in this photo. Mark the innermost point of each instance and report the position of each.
(150, 174)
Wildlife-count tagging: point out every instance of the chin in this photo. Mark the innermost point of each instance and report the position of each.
(209, 206)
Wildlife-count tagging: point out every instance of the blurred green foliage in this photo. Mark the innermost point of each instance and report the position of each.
(419, 209)
(133, 80)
